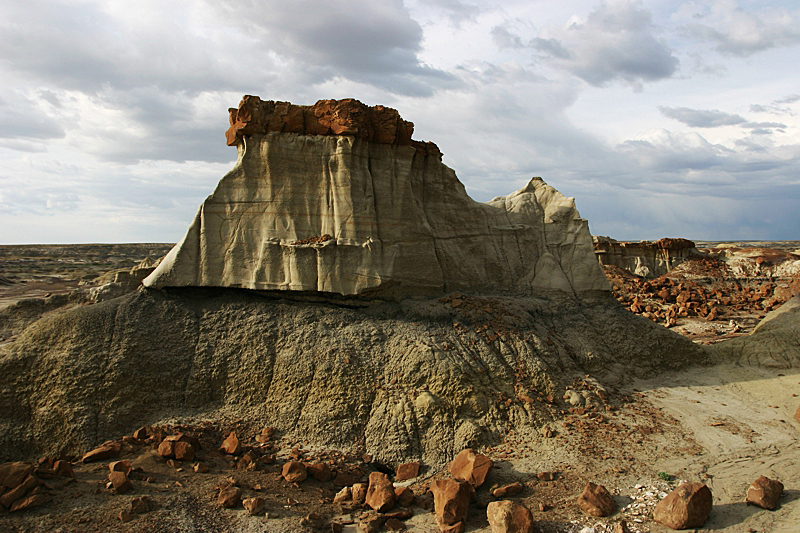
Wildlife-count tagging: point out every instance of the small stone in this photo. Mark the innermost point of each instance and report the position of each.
(126, 515)
(140, 505)
(380, 492)
(255, 505)
(405, 496)
(313, 520)
(342, 496)
(120, 482)
(231, 445)
(686, 507)
(140, 434)
(370, 524)
(506, 516)
(470, 466)
(508, 490)
(120, 466)
(596, 501)
(359, 492)
(201, 468)
(393, 524)
(64, 469)
(229, 496)
(407, 471)
(106, 450)
(294, 472)
(184, 451)
(621, 527)
(765, 492)
(166, 448)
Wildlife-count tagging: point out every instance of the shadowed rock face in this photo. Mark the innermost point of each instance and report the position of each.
(356, 214)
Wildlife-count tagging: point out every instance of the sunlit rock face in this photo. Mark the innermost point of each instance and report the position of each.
(337, 198)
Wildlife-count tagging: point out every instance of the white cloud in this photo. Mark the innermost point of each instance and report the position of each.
(617, 41)
(738, 32)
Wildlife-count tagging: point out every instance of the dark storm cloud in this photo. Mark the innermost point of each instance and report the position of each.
(701, 118)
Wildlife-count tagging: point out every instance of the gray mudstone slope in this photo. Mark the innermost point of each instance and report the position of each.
(401, 380)
(775, 343)
(339, 214)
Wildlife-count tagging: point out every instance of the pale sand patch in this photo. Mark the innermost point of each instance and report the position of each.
(743, 418)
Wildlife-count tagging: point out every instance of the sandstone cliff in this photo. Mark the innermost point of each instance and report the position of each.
(644, 258)
(360, 209)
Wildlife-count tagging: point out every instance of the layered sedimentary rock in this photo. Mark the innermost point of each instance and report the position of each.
(336, 198)
(644, 258)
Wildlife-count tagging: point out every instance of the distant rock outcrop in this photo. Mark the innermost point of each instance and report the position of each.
(644, 258)
(336, 198)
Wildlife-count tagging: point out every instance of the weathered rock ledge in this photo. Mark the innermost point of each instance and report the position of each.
(396, 221)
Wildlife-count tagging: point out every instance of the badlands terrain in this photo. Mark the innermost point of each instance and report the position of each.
(724, 425)
(345, 341)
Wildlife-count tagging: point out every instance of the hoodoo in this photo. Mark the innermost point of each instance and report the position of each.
(476, 318)
(337, 198)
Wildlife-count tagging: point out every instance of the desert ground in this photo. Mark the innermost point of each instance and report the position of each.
(723, 425)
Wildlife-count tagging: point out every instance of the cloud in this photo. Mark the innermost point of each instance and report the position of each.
(376, 43)
(617, 41)
(22, 119)
(456, 11)
(698, 118)
(741, 33)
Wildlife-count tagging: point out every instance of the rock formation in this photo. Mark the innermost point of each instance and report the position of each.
(644, 258)
(336, 198)
(775, 343)
(319, 215)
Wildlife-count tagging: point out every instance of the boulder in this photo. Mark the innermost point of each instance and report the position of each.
(596, 501)
(407, 471)
(508, 490)
(184, 451)
(231, 445)
(13, 474)
(319, 471)
(470, 466)
(380, 492)
(9, 497)
(765, 492)
(506, 516)
(63, 469)
(30, 501)
(255, 506)
(451, 499)
(120, 466)
(106, 450)
(229, 496)
(343, 496)
(405, 496)
(120, 482)
(294, 472)
(686, 507)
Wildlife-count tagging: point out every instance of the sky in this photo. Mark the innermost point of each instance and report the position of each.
(662, 118)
